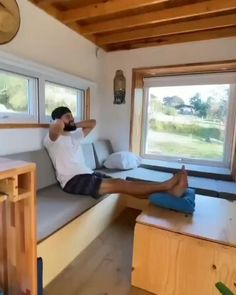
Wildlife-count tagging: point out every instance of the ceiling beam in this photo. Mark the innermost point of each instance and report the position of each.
(45, 2)
(169, 29)
(176, 13)
(189, 37)
(104, 8)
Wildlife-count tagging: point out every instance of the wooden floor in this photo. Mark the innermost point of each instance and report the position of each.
(104, 268)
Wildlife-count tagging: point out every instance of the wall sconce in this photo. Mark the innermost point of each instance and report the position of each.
(119, 87)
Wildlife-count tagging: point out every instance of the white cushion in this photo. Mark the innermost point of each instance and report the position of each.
(122, 160)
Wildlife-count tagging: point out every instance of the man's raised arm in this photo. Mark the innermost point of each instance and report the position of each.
(56, 128)
(86, 125)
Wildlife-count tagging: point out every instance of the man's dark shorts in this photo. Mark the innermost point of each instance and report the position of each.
(85, 184)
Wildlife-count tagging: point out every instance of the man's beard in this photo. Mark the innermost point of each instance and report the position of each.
(69, 127)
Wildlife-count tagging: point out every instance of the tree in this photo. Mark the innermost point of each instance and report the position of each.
(13, 92)
(4, 98)
(217, 108)
(201, 108)
(195, 101)
(172, 101)
(154, 105)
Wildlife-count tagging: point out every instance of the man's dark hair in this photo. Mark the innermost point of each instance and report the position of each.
(59, 112)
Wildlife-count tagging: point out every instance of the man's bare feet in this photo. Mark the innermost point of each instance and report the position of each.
(184, 172)
(172, 182)
(179, 189)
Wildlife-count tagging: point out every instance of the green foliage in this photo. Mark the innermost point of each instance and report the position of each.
(56, 95)
(155, 105)
(169, 111)
(212, 109)
(187, 129)
(201, 108)
(14, 92)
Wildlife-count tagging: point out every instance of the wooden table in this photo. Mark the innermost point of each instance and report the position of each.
(179, 254)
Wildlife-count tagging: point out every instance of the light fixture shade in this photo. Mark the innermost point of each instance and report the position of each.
(9, 20)
(119, 87)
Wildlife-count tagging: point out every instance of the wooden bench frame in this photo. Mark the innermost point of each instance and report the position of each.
(58, 254)
(62, 247)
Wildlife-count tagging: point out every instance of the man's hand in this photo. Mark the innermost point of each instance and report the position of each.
(56, 128)
(86, 125)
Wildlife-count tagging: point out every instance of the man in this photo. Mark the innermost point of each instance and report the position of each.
(63, 145)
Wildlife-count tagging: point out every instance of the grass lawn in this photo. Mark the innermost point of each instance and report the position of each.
(183, 146)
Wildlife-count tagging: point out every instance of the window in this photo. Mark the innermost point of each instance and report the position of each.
(29, 91)
(190, 118)
(57, 95)
(18, 101)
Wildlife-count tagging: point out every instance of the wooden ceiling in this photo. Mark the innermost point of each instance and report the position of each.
(127, 24)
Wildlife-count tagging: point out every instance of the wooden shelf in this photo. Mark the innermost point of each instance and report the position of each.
(22, 194)
(3, 197)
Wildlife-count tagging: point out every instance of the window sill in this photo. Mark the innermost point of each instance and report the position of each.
(22, 125)
(193, 170)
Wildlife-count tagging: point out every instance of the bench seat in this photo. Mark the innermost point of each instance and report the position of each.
(56, 208)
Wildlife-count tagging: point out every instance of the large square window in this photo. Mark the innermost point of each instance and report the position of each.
(191, 120)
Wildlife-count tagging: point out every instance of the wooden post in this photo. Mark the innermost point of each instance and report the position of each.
(18, 261)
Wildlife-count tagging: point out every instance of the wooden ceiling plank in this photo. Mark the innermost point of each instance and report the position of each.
(189, 37)
(49, 9)
(170, 29)
(104, 8)
(45, 2)
(177, 13)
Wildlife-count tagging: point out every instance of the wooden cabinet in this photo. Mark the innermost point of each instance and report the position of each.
(18, 259)
(179, 254)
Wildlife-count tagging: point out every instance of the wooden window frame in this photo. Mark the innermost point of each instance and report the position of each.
(137, 94)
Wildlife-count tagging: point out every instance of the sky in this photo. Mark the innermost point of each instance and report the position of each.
(186, 92)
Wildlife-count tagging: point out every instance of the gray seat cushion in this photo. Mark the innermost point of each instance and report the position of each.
(55, 208)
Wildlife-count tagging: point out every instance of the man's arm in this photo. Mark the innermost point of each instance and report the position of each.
(86, 125)
(55, 130)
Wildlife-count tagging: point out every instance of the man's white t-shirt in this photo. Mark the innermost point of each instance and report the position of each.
(67, 156)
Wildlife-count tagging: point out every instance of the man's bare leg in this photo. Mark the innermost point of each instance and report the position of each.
(176, 186)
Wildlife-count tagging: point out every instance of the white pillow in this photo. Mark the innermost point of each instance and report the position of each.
(122, 160)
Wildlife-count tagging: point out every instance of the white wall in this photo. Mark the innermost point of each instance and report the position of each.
(118, 116)
(44, 40)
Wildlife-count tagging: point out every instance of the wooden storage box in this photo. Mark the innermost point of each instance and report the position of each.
(179, 254)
